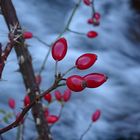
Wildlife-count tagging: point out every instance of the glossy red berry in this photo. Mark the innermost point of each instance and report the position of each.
(87, 2)
(38, 79)
(26, 100)
(11, 103)
(48, 97)
(67, 95)
(75, 83)
(92, 34)
(27, 35)
(85, 61)
(94, 80)
(58, 95)
(52, 119)
(59, 49)
(96, 115)
(97, 16)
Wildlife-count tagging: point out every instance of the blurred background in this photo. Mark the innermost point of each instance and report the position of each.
(118, 50)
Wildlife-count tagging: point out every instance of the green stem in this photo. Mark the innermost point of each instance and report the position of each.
(82, 136)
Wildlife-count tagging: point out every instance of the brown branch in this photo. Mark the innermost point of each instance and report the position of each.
(19, 119)
(26, 68)
(4, 55)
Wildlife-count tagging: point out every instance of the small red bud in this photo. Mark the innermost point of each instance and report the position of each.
(90, 21)
(59, 49)
(75, 83)
(52, 119)
(92, 34)
(48, 97)
(67, 95)
(46, 112)
(94, 80)
(96, 115)
(27, 35)
(11, 103)
(38, 79)
(97, 16)
(87, 2)
(26, 100)
(58, 95)
(85, 61)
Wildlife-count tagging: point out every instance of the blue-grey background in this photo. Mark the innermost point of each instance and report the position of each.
(118, 50)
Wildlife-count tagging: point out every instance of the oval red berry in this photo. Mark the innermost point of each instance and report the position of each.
(59, 49)
(67, 95)
(58, 95)
(26, 101)
(97, 16)
(92, 34)
(75, 83)
(96, 115)
(48, 97)
(94, 80)
(85, 61)
(87, 2)
(11, 103)
(27, 35)
(52, 119)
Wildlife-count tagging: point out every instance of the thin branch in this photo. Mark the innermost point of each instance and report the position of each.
(19, 119)
(64, 30)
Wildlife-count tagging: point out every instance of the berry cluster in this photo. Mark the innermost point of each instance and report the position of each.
(95, 18)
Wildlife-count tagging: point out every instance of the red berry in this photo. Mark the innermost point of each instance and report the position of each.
(92, 34)
(96, 115)
(11, 103)
(75, 83)
(59, 49)
(97, 16)
(94, 80)
(87, 2)
(48, 97)
(85, 61)
(58, 95)
(38, 79)
(26, 100)
(27, 35)
(67, 95)
(90, 21)
(52, 119)
(46, 112)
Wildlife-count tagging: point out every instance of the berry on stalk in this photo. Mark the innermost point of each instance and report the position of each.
(96, 115)
(87, 2)
(48, 97)
(75, 83)
(94, 80)
(92, 34)
(11, 103)
(27, 35)
(58, 95)
(59, 49)
(85, 61)
(52, 119)
(67, 95)
(26, 101)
